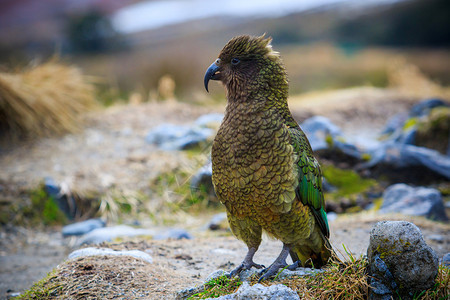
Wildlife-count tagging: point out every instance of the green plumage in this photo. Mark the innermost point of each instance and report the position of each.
(264, 171)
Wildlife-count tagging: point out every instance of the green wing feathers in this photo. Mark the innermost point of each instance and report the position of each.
(309, 189)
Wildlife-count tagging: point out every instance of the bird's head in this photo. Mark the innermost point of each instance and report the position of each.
(247, 66)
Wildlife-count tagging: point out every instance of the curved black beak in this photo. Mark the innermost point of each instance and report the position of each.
(212, 73)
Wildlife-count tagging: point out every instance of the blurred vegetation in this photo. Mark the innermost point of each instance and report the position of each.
(415, 23)
(92, 33)
(330, 47)
(43, 100)
(35, 208)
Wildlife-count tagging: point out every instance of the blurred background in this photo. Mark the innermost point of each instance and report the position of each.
(325, 44)
(103, 115)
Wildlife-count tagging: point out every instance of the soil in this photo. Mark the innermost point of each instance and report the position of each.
(111, 152)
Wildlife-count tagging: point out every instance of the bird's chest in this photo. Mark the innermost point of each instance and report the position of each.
(252, 163)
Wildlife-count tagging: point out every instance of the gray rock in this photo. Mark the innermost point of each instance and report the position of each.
(261, 292)
(203, 179)
(62, 197)
(323, 134)
(381, 281)
(420, 201)
(215, 274)
(423, 108)
(217, 220)
(398, 155)
(175, 233)
(178, 137)
(399, 247)
(297, 272)
(331, 216)
(83, 227)
(436, 238)
(107, 234)
(395, 123)
(188, 292)
(446, 260)
(106, 251)
(209, 120)
(399, 149)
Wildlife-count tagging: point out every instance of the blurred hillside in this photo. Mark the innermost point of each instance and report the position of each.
(344, 44)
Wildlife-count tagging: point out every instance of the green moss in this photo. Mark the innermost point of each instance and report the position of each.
(411, 122)
(366, 156)
(434, 131)
(218, 287)
(347, 182)
(387, 249)
(46, 288)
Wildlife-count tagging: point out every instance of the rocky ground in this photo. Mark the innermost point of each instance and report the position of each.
(112, 152)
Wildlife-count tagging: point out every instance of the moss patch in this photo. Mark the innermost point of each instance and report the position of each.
(46, 288)
(434, 131)
(347, 182)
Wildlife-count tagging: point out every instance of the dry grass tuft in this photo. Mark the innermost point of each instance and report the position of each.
(43, 100)
(338, 281)
(94, 278)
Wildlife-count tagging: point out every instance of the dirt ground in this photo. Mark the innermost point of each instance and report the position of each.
(112, 152)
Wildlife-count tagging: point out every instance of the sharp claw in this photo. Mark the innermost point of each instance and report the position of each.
(244, 266)
(294, 266)
(273, 270)
(237, 270)
(263, 271)
(266, 276)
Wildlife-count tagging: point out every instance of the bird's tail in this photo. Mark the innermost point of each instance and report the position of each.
(315, 257)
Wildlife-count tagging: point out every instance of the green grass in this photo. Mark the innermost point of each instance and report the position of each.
(217, 287)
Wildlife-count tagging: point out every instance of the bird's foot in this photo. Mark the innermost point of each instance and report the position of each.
(273, 269)
(245, 265)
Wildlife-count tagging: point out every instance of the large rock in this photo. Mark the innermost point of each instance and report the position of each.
(413, 138)
(323, 134)
(82, 227)
(392, 154)
(110, 252)
(202, 180)
(420, 201)
(62, 197)
(107, 234)
(178, 137)
(174, 234)
(400, 262)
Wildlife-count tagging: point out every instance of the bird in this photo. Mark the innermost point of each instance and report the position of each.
(263, 168)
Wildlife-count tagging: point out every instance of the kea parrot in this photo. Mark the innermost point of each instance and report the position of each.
(263, 168)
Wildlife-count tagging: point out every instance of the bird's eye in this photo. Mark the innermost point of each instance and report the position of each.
(217, 61)
(235, 61)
